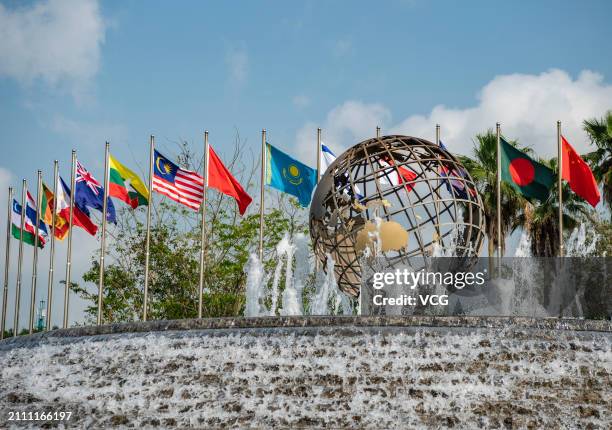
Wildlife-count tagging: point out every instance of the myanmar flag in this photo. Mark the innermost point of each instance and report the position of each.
(136, 195)
(527, 176)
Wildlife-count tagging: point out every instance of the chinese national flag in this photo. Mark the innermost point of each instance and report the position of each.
(222, 180)
(578, 174)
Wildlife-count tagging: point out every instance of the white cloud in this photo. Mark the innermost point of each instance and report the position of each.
(344, 126)
(88, 134)
(237, 60)
(5, 181)
(57, 41)
(527, 106)
(301, 101)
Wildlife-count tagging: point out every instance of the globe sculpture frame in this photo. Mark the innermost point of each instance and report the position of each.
(398, 180)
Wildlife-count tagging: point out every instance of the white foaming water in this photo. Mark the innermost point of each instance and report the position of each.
(294, 256)
(283, 249)
(254, 291)
(326, 283)
(519, 295)
(579, 245)
(284, 377)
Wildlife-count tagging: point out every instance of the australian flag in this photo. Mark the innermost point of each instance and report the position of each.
(90, 194)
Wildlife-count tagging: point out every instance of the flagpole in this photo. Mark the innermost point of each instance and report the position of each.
(377, 132)
(35, 258)
(69, 247)
(319, 148)
(438, 190)
(498, 181)
(203, 227)
(560, 187)
(52, 250)
(318, 154)
(148, 234)
(24, 190)
(262, 193)
(103, 234)
(7, 260)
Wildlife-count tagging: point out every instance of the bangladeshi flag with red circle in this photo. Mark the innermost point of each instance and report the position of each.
(527, 176)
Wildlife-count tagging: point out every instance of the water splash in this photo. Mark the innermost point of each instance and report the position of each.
(294, 259)
(254, 291)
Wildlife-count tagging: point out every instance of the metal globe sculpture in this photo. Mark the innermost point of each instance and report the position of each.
(417, 196)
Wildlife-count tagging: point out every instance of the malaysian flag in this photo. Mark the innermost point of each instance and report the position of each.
(183, 186)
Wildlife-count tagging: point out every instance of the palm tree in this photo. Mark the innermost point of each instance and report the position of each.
(600, 133)
(542, 220)
(483, 169)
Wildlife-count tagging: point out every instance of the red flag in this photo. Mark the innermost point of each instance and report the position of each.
(222, 180)
(390, 175)
(578, 174)
(79, 218)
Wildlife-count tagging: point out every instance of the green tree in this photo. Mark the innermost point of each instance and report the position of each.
(541, 219)
(483, 169)
(600, 133)
(175, 252)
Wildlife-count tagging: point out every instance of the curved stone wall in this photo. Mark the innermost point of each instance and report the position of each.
(382, 372)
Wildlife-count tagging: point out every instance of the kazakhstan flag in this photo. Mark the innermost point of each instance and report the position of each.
(289, 175)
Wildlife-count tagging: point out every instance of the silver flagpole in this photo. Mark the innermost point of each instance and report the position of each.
(103, 234)
(319, 149)
(439, 232)
(24, 190)
(52, 250)
(203, 227)
(560, 188)
(35, 259)
(499, 247)
(7, 260)
(148, 234)
(318, 154)
(69, 248)
(262, 193)
(377, 132)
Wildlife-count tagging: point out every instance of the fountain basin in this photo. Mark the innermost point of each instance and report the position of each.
(367, 372)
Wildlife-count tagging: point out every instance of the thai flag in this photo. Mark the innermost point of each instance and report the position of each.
(453, 179)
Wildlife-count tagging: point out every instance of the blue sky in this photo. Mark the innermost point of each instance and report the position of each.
(75, 75)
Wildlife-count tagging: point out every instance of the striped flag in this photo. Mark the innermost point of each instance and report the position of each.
(28, 225)
(395, 176)
(341, 182)
(453, 178)
(182, 186)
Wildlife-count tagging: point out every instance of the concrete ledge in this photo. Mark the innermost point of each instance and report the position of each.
(320, 321)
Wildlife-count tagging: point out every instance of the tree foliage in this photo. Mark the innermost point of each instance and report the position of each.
(600, 134)
(175, 252)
